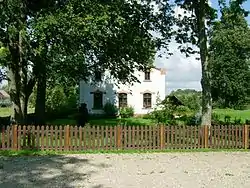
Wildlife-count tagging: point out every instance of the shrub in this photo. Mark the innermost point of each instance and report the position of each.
(181, 110)
(238, 121)
(148, 116)
(127, 112)
(162, 116)
(59, 104)
(227, 119)
(216, 119)
(110, 109)
(247, 121)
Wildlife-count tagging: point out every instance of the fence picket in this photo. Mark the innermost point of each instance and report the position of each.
(102, 137)
(42, 138)
(125, 137)
(133, 137)
(61, 138)
(19, 137)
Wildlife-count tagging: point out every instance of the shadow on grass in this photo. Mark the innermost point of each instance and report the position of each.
(38, 169)
(106, 121)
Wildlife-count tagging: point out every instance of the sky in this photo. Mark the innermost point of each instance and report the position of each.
(182, 72)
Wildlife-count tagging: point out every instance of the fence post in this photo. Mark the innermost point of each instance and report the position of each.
(14, 137)
(206, 136)
(66, 138)
(162, 136)
(118, 136)
(246, 134)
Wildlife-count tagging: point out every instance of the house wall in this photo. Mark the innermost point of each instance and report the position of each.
(156, 86)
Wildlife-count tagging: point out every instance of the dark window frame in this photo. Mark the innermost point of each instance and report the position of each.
(97, 100)
(122, 100)
(147, 75)
(147, 100)
(98, 76)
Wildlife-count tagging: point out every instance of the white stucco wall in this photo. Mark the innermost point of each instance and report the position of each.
(156, 86)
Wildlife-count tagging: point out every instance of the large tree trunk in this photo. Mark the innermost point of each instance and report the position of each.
(41, 95)
(20, 93)
(20, 86)
(206, 74)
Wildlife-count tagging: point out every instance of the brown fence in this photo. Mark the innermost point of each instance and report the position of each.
(155, 137)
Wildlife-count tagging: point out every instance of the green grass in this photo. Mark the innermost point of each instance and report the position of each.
(8, 111)
(11, 153)
(5, 112)
(238, 114)
(108, 121)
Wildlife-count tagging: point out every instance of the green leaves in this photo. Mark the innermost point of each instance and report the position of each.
(188, 24)
(229, 54)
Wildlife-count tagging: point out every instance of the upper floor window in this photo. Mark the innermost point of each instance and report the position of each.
(147, 75)
(98, 76)
(147, 100)
(123, 100)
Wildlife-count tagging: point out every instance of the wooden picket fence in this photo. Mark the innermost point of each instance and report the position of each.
(154, 137)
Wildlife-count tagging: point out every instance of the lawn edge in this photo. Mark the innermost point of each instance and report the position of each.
(11, 153)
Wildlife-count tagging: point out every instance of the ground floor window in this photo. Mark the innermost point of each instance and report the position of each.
(147, 100)
(123, 100)
(98, 100)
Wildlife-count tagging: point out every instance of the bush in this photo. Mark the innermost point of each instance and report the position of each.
(148, 116)
(127, 112)
(193, 120)
(110, 109)
(181, 110)
(247, 121)
(162, 116)
(59, 104)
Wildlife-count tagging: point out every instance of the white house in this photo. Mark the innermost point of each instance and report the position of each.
(141, 96)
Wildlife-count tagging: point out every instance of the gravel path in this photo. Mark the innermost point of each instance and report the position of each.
(187, 170)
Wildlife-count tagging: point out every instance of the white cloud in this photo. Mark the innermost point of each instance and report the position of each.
(182, 72)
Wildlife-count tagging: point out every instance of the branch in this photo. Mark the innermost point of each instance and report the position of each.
(30, 85)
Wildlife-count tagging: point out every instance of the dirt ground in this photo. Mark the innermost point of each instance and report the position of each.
(187, 170)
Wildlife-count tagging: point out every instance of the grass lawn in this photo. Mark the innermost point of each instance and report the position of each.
(8, 111)
(5, 112)
(238, 114)
(109, 121)
(10, 153)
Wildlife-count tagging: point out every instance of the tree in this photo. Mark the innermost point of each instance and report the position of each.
(16, 17)
(192, 29)
(190, 98)
(111, 35)
(229, 54)
(65, 41)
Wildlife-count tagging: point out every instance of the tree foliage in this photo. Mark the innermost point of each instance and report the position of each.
(65, 41)
(192, 28)
(229, 54)
(190, 98)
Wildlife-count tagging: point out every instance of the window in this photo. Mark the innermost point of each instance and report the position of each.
(98, 102)
(147, 100)
(123, 100)
(147, 75)
(98, 76)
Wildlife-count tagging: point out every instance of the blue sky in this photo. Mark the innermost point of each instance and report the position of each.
(246, 6)
(182, 72)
